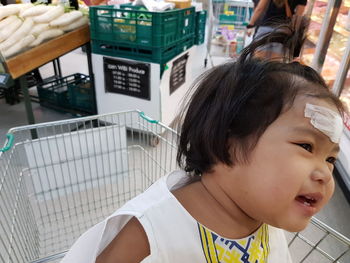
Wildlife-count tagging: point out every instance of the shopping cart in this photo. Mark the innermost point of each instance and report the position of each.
(77, 172)
(72, 176)
(227, 28)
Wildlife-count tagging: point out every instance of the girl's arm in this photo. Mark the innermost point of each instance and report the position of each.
(258, 11)
(299, 10)
(129, 246)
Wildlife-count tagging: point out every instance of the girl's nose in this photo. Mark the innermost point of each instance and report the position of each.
(322, 174)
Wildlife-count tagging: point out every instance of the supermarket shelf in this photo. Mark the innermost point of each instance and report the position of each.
(337, 28)
(313, 40)
(346, 3)
(27, 61)
(342, 31)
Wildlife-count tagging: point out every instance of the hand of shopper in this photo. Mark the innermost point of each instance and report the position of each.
(250, 31)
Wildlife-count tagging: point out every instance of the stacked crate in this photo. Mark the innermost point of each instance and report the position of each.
(201, 18)
(133, 32)
(72, 93)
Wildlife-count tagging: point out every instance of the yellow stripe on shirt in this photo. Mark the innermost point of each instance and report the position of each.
(252, 249)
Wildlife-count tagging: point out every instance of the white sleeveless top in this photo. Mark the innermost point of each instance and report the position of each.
(175, 236)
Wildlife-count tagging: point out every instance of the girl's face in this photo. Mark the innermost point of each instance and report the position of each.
(289, 176)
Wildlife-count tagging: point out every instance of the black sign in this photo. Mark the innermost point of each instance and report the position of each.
(178, 73)
(128, 78)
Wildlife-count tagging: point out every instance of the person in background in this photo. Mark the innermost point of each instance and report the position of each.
(258, 140)
(269, 15)
(257, 22)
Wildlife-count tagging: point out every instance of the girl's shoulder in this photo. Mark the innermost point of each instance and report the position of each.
(131, 235)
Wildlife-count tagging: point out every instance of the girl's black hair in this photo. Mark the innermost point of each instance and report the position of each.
(233, 104)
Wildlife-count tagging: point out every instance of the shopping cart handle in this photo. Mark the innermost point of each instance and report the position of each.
(143, 116)
(10, 139)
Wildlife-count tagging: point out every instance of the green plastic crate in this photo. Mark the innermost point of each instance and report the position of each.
(135, 52)
(200, 37)
(72, 93)
(52, 94)
(135, 25)
(81, 95)
(201, 18)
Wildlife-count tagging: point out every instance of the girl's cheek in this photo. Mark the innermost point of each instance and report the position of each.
(330, 190)
(331, 187)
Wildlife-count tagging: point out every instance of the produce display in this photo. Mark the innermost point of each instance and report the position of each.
(24, 26)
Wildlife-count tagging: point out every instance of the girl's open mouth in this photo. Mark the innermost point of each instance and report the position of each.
(309, 202)
(306, 200)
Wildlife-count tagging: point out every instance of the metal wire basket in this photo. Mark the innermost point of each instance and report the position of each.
(60, 178)
(318, 243)
(74, 174)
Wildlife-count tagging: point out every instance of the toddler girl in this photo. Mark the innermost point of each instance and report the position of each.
(257, 148)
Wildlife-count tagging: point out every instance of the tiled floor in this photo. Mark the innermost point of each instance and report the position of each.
(336, 214)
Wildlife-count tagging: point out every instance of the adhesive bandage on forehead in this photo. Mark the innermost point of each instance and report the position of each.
(325, 120)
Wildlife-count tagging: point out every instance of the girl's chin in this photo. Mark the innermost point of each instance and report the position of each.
(297, 227)
(293, 226)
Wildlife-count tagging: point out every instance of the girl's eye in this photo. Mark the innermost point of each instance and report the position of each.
(306, 146)
(331, 160)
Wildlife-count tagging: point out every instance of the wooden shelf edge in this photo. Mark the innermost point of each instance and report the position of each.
(46, 52)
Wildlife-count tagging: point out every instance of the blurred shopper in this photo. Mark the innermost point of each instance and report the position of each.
(258, 22)
(269, 14)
